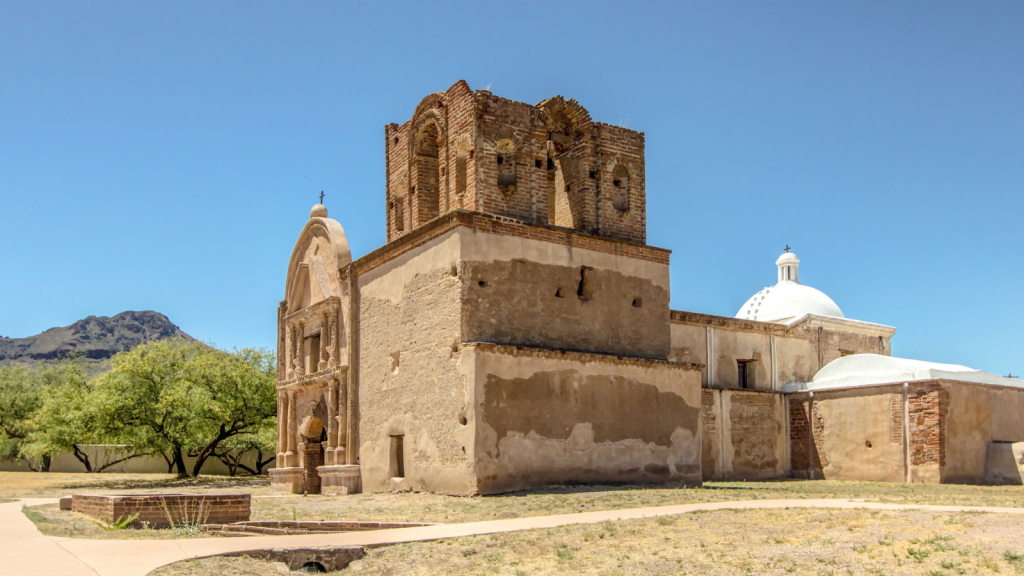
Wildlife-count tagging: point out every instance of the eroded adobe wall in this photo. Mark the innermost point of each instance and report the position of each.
(977, 415)
(795, 359)
(831, 344)
(744, 435)
(550, 417)
(857, 434)
(411, 381)
(539, 286)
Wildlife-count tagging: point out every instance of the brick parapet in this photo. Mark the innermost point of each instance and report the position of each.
(500, 225)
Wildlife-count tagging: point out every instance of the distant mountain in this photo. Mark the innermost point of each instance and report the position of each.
(96, 338)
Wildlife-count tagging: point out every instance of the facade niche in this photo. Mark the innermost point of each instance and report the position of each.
(506, 158)
(620, 188)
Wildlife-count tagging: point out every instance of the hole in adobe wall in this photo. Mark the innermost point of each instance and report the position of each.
(638, 302)
(471, 154)
(538, 163)
(312, 568)
(559, 293)
(396, 140)
(867, 443)
(568, 187)
(443, 170)
(463, 420)
(593, 174)
(501, 159)
(585, 291)
(454, 271)
(482, 283)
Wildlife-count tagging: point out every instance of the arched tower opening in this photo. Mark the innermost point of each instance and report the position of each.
(425, 190)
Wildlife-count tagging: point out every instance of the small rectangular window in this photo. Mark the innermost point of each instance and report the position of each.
(745, 373)
(397, 457)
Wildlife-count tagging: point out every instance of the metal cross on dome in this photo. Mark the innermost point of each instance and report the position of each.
(788, 248)
(321, 196)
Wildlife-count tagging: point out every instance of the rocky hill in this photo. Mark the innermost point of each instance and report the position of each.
(96, 338)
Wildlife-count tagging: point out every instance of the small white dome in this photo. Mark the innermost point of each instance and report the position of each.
(789, 298)
(873, 369)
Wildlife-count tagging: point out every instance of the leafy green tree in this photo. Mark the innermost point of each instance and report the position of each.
(66, 418)
(20, 398)
(236, 396)
(177, 397)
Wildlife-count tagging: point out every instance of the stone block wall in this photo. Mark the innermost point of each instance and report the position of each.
(159, 510)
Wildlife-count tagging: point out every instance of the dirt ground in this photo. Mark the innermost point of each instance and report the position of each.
(794, 541)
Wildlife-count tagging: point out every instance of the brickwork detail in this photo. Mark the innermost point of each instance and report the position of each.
(707, 404)
(153, 509)
(547, 163)
(799, 429)
(820, 454)
(896, 419)
(927, 407)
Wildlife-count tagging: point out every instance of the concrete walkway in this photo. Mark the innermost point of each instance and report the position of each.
(24, 550)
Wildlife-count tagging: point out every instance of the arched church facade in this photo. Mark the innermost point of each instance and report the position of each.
(515, 331)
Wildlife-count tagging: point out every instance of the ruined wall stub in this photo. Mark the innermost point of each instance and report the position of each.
(547, 163)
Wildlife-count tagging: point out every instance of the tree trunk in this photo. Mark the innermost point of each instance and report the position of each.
(82, 457)
(46, 464)
(179, 463)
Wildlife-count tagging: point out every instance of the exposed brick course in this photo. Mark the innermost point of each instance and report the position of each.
(158, 510)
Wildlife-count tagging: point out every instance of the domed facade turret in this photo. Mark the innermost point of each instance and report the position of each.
(789, 298)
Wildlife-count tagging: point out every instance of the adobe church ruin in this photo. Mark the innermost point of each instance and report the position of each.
(515, 331)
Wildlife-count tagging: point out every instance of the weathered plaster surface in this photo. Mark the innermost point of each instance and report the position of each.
(516, 300)
(979, 414)
(548, 417)
(862, 439)
(412, 383)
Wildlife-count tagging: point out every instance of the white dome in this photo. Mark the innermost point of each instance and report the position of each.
(789, 298)
(871, 369)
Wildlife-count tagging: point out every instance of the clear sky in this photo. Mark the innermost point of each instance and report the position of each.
(164, 156)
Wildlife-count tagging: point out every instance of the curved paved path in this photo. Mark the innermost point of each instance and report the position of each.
(24, 550)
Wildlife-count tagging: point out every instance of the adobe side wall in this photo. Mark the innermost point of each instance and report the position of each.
(554, 417)
(541, 287)
(857, 434)
(411, 381)
(978, 414)
(744, 435)
(732, 339)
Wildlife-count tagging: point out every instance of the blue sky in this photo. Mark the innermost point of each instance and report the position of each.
(165, 156)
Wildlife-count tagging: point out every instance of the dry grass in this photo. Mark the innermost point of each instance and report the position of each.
(795, 541)
(407, 507)
(219, 566)
(52, 521)
(55, 485)
(422, 507)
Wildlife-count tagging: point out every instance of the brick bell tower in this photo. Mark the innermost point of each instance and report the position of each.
(547, 163)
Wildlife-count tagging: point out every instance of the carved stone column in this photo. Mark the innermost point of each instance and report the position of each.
(300, 356)
(289, 352)
(280, 429)
(332, 425)
(325, 343)
(290, 432)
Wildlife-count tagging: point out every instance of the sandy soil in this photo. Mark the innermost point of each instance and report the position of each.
(796, 541)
